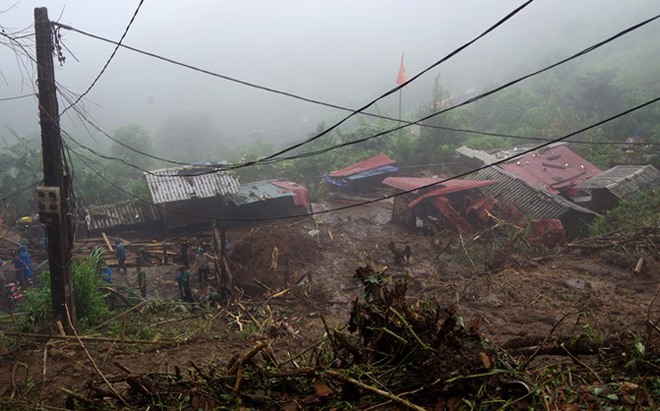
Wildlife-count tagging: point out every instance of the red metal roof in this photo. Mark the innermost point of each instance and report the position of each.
(368, 164)
(411, 183)
(453, 186)
(557, 168)
(300, 193)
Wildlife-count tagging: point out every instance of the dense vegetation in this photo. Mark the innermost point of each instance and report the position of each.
(630, 215)
(89, 295)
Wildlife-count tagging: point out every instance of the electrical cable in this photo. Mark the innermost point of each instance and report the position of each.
(476, 98)
(36, 183)
(270, 159)
(17, 97)
(107, 63)
(312, 213)
(353, 112)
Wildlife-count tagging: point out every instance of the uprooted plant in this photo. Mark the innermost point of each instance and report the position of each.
(412, 355)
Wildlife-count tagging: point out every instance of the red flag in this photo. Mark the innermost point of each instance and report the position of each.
(401, 78)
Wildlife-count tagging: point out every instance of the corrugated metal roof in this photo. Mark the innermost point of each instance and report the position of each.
(120, 214)
(411, 183)
(533, 201)
(481, 156)
(186, 183)
(454, 186)
(447, 187)
(626, 181)
(553, 168)
(368, 164)
(258, 191)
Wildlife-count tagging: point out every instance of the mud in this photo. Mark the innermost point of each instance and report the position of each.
(525, 297)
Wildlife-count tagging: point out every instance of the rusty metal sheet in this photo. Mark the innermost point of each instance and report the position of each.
(125, 213)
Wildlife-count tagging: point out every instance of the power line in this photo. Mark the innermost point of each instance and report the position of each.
(70, 137)
(401, 86)
(272, 90)
(36, 183)
(270, 160)
(107, 63)
(312, 213)
(121, 143)
(17, 97)
(285, 93)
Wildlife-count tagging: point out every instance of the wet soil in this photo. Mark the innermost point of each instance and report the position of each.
(524, 298)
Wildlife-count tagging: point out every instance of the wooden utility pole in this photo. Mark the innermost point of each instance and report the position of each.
(57, 185)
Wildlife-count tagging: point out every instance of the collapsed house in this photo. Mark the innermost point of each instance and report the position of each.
(360, 181)
(433, 201)
(619, 183)
(535, 202)
(132, 215)
(270, 198)
(190, 195)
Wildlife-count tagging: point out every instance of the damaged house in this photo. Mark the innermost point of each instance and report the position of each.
(270, 198)
(132, 215)
(360, 181)
(456, 203)
(534, 202)
(619, 183)
(190, 195)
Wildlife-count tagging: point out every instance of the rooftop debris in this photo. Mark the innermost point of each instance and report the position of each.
(533, 201)
(121, 215)
(455, 209)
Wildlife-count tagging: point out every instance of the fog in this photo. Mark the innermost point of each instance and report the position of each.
(343, 52)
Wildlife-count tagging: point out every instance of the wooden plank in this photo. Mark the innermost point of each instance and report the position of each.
(107, 242)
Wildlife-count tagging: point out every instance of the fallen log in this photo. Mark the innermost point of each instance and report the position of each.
(343, 378)
(84, 338)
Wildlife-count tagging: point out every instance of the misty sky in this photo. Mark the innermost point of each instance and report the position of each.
(341, 51)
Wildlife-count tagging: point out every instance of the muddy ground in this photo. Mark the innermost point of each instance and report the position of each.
(523, 297)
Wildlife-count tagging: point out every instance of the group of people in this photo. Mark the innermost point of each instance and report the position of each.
(183, 275)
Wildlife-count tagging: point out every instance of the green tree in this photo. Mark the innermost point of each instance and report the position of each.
(134, 136)
(21, 167)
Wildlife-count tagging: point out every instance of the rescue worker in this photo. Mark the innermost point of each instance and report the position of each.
(19, 270)
(142, 281)
(27, 263)
(120, 253)
(107, 275)
(185, 244)
(202, 263)
(183, 281)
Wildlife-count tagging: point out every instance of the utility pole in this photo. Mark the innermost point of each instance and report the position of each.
(53, 198)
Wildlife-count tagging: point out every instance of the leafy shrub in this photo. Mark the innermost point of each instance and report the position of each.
(629, 215)
(91, 307)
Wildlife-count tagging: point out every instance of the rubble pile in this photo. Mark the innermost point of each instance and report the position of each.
(271, 257)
